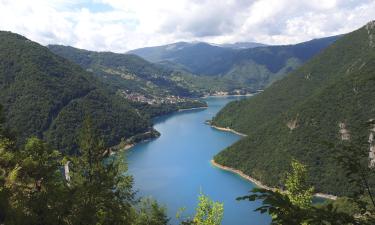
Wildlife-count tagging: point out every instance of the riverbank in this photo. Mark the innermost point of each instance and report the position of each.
(203, 107)
(220, 96)
(260, 184)
(136, 139)
(227, 129)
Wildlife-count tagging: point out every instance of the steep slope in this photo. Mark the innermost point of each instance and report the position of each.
(329, 99)
(257, 67)
(48, 96)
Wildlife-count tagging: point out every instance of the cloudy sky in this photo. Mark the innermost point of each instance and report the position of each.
(122, 25)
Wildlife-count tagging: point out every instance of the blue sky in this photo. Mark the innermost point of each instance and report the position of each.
(122, 25)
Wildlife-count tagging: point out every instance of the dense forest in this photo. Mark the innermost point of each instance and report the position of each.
(40, 186)
(47, 96)
(327, 101)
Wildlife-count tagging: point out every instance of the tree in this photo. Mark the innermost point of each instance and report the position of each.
(38, 186)
(101, 192)
(208, 212)
(354, 158)
(294, 206)
(149, 212)
(32, 185)
(7, 170)
(297, 188)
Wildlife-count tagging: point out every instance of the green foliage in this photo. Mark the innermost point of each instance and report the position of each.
(47, 96)
(8, 174)
(353, 158)
(93, 188)
(208, 212)
(295, 205)
(101, 192)
(149, 212)
(347, 205)
(283, 211)
(296, 116)
(297, 188)
(31, 189)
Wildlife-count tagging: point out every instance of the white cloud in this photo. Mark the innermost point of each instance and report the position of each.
(115, 25)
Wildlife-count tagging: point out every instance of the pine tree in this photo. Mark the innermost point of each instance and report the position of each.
(101, 190)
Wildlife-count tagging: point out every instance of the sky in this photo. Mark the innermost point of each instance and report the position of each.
(122, 25)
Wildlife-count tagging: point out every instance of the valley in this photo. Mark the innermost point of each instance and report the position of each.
(262, 116)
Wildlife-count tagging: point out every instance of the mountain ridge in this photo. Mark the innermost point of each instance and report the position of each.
(251, 66)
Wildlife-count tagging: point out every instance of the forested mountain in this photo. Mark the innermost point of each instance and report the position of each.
(130, 73)
(124, 71)
(47, 96)
(188, 54)
(329, 100)
(256, 67)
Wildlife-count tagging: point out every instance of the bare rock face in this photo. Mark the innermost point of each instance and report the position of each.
(345, 135)
(292, 124)
(308, 76)
(371, 141)
(66, 171)
(370, 27)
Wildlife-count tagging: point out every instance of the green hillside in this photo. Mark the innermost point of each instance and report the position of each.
(47, 96)
(124, 71)
(324, 101)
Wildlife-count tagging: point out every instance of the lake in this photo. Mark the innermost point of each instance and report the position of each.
(175, 168)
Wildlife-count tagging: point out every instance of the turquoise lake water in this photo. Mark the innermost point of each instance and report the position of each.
(175, 167)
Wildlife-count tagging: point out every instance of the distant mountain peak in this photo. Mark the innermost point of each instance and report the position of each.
(239, 45)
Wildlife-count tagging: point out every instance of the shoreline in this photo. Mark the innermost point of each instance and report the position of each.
(139, 138)
(218, 96)
(226, 129)
(260, 184)
(181, 110)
